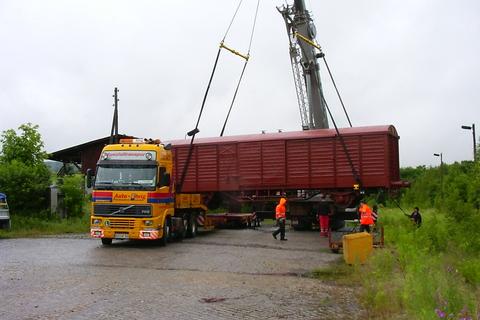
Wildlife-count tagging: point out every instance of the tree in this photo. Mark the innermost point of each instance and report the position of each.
(26, 148)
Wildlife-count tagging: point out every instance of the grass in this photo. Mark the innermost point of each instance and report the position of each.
(422, 273)
(32, 227)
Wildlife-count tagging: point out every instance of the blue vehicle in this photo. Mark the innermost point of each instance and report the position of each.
(4, 212)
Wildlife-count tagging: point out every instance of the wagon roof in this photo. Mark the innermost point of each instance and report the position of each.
(293, 135)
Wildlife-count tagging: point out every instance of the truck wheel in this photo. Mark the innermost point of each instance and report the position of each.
(183, 234)
(106, 241)
(180, 235)
(166, 233)
(192, 227)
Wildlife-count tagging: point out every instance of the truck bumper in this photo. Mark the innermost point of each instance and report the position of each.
(143, 234)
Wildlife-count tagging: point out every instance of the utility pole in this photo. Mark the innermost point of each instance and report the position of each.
(441, 171)
(114, 132)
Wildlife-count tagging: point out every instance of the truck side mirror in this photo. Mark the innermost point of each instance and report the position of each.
(165, 180)
(89, 178)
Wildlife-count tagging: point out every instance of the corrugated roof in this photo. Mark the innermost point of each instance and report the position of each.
(73, 153)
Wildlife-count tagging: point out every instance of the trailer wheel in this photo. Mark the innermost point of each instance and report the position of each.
(303, 225)
(166, 233)
(192, 226)
(336, 224)
(183, 234)
(106, 241)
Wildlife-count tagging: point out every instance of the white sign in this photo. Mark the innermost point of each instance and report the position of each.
(128, 155)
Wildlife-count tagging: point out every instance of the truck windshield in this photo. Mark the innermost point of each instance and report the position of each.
(126, 177)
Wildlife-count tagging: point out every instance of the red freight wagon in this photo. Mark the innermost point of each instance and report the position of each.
(314, 159)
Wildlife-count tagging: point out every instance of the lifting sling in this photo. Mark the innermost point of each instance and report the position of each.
(193, 132)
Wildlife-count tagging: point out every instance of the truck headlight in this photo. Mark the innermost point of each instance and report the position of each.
(96, 221)
(148, 222)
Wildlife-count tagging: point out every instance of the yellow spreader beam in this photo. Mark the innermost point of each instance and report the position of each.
(222, 45)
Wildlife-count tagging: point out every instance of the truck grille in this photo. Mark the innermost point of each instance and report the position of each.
(122, 224)
(122, 210)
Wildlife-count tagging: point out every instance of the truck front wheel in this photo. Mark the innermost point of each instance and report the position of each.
(166, 233)
(106, 241)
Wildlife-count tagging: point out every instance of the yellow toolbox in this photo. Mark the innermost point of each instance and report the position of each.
(357, 247)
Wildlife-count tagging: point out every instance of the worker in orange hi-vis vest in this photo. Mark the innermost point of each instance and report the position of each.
(280, 215)
(366, 218)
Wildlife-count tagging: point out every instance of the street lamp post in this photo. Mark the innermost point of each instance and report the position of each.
(441, 171)
(474, 142)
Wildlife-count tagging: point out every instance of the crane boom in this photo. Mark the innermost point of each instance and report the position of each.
(303, 57)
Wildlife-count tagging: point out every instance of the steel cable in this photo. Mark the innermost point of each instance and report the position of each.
(336, 89)
(344, 146)
(193, 132)
(243, 70)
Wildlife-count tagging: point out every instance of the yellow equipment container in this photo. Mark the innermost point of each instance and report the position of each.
(357, 247)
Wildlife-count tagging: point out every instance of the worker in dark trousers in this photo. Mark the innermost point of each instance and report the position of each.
(280, 216)
(375, 215)
(366, 219)
(324, 215)
(416, 217)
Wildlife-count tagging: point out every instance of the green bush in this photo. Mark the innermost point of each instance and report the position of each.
(74, 200)
(26, 187)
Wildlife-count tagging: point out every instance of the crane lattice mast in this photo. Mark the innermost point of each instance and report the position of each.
(304, 53)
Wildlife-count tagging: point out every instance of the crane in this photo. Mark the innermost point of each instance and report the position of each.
(304, 53)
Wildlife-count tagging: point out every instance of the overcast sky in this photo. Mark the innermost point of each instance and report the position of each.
(414, 64)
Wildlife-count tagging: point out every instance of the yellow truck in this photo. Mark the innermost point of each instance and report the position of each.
(133, 195)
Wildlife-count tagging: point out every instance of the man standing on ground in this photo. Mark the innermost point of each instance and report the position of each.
(416, 217)
(280, 215)
(366, 219)
(324, 209)
(375, 214)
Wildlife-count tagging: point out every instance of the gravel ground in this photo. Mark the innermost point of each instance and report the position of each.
(224, 274)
